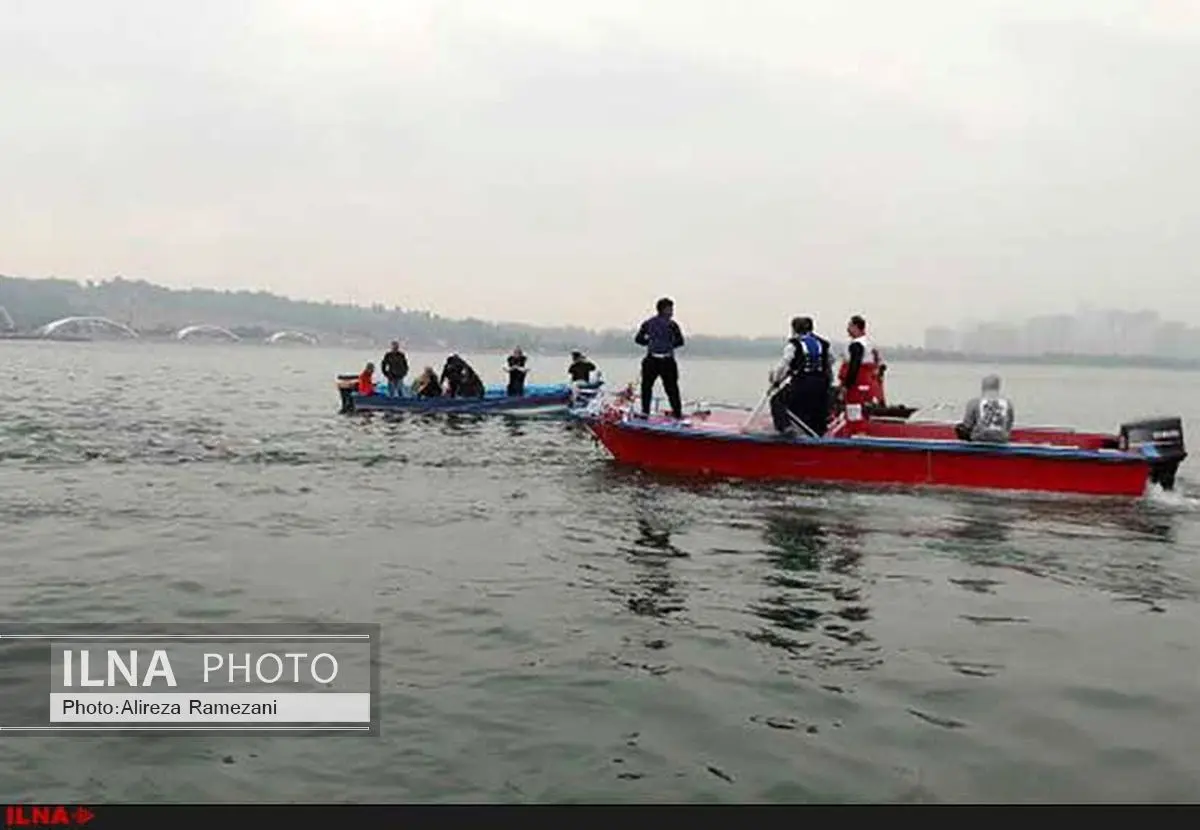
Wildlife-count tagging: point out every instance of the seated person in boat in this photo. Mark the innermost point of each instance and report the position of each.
(471, 385)
(366, 380)
(802, 404)
(515, 366)
(427, 384)
(580, 370)
(453, 372)
(989, 418)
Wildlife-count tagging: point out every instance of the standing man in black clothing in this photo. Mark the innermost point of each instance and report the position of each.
(580, 370)
(807, 368)
(515, 365)
(394, 367)
(661, 336)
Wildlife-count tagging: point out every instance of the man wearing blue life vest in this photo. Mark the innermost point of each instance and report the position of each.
(803, 376)
(661, 336)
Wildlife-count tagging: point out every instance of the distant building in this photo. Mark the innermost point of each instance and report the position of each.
(1171, 340)
(992, 339)
(1048, 334)
(941, 339)
(1091, 331)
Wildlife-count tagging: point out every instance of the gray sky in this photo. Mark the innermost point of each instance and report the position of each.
(568, 161)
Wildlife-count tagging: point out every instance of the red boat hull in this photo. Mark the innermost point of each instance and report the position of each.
(716, 450)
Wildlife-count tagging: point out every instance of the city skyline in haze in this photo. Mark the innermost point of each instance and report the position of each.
(923, 164)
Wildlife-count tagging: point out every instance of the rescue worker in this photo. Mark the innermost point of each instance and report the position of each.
(988, 418)
(661, 336)
(366, 380)
(804, 375)
(515, 366)
(394, 367)
(858, 377)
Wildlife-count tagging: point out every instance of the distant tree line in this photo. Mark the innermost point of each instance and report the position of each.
(153, 309)
(156, 310)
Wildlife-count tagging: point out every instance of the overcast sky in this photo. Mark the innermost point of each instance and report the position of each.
(568, 161)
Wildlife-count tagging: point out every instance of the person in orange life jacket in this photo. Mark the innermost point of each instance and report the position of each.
(366, 380)
(859, 375)
(661, 336)
(806, 367)
(515, 365)
(394, 367)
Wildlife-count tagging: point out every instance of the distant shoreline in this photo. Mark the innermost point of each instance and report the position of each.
(158, 314)
(893, 354)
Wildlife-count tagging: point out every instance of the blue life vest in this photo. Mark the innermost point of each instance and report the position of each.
(810, 357)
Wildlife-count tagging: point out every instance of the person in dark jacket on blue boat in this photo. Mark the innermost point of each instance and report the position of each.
(427, 384)
(661, 336)
(580, 369)
(807, 369)
(471, 385)
(394, 367)
(454, 370)
(516, 368)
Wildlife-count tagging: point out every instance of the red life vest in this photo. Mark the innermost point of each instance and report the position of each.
(366, 383)
(868, 386)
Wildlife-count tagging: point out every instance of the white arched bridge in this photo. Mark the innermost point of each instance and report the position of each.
(85, 325)
(204, 330)
(292, 337)
(80, 325)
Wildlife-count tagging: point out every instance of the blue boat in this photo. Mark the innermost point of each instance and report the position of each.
(539, 399)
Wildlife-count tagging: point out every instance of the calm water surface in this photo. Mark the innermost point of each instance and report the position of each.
(557, 629)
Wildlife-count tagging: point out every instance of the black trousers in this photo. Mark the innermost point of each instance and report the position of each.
(806, 398)
(654, 368)
(516, 384)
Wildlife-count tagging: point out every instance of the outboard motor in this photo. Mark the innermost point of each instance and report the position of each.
(346, 385)
(1164, 438)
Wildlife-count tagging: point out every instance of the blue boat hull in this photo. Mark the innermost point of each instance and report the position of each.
(538, 399)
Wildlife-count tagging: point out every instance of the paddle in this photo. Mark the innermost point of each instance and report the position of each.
(771, 392)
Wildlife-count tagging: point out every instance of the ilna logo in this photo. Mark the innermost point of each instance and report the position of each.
(20, 815)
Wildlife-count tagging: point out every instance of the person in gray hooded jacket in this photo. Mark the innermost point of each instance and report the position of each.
(988, 418)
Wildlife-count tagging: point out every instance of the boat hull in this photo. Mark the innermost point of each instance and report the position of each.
(527, 404)
(723, 453)
(549, 399)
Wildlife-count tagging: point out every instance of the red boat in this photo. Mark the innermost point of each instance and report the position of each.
(897, 451)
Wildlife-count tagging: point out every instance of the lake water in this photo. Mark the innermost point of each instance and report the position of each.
(555, 629)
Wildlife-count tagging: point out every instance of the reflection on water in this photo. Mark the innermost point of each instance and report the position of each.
(652, 552)
(981, 524)
(515, 427)
(817, 606)
(1090, 545)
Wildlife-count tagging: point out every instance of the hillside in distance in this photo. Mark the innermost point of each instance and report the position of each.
(155, 310)
(158, 312)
